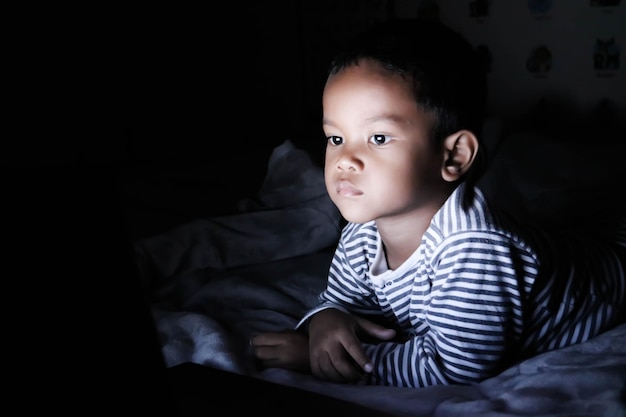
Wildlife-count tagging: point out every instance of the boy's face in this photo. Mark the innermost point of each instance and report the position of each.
(380, 162)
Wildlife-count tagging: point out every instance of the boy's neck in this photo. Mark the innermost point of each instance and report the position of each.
(401, 236)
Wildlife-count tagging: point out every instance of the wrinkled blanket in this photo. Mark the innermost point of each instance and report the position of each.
(216, 282)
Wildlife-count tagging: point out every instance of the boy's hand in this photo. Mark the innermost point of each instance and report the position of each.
(335, 347)
(288, 349)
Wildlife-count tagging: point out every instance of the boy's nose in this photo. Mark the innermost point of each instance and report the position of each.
(349, 161)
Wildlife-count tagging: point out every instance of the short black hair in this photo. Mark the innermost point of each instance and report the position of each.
(447, 73)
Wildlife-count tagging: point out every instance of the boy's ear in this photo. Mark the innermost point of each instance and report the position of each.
(460, 150)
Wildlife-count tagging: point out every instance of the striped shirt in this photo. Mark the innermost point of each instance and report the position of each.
(479, 293)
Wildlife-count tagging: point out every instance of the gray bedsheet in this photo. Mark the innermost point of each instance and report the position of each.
(216, 282)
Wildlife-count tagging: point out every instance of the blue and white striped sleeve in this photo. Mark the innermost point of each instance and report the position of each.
(467, 322)
(346, 288)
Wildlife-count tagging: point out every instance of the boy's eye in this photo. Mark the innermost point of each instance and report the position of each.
(335, 140)
(379, 139)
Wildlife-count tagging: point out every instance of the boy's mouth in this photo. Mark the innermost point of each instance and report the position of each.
(347, 189)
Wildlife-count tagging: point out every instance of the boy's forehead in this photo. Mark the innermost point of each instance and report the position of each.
(369, 76)
(368, 94)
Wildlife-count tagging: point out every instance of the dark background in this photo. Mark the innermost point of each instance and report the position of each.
(124, 121)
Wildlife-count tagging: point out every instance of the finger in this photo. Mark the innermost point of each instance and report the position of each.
(270, 357)
(325, 369)
(356, 353)
(266, 353)
(337, 368)
(274, 363)
(375, 330)
(349, 370)
(266, 339)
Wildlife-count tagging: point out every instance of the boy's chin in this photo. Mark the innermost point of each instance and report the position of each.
(359, 218)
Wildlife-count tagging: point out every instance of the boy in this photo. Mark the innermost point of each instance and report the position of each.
(428, 284)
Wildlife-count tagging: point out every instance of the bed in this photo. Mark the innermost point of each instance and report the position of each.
(214, 281)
